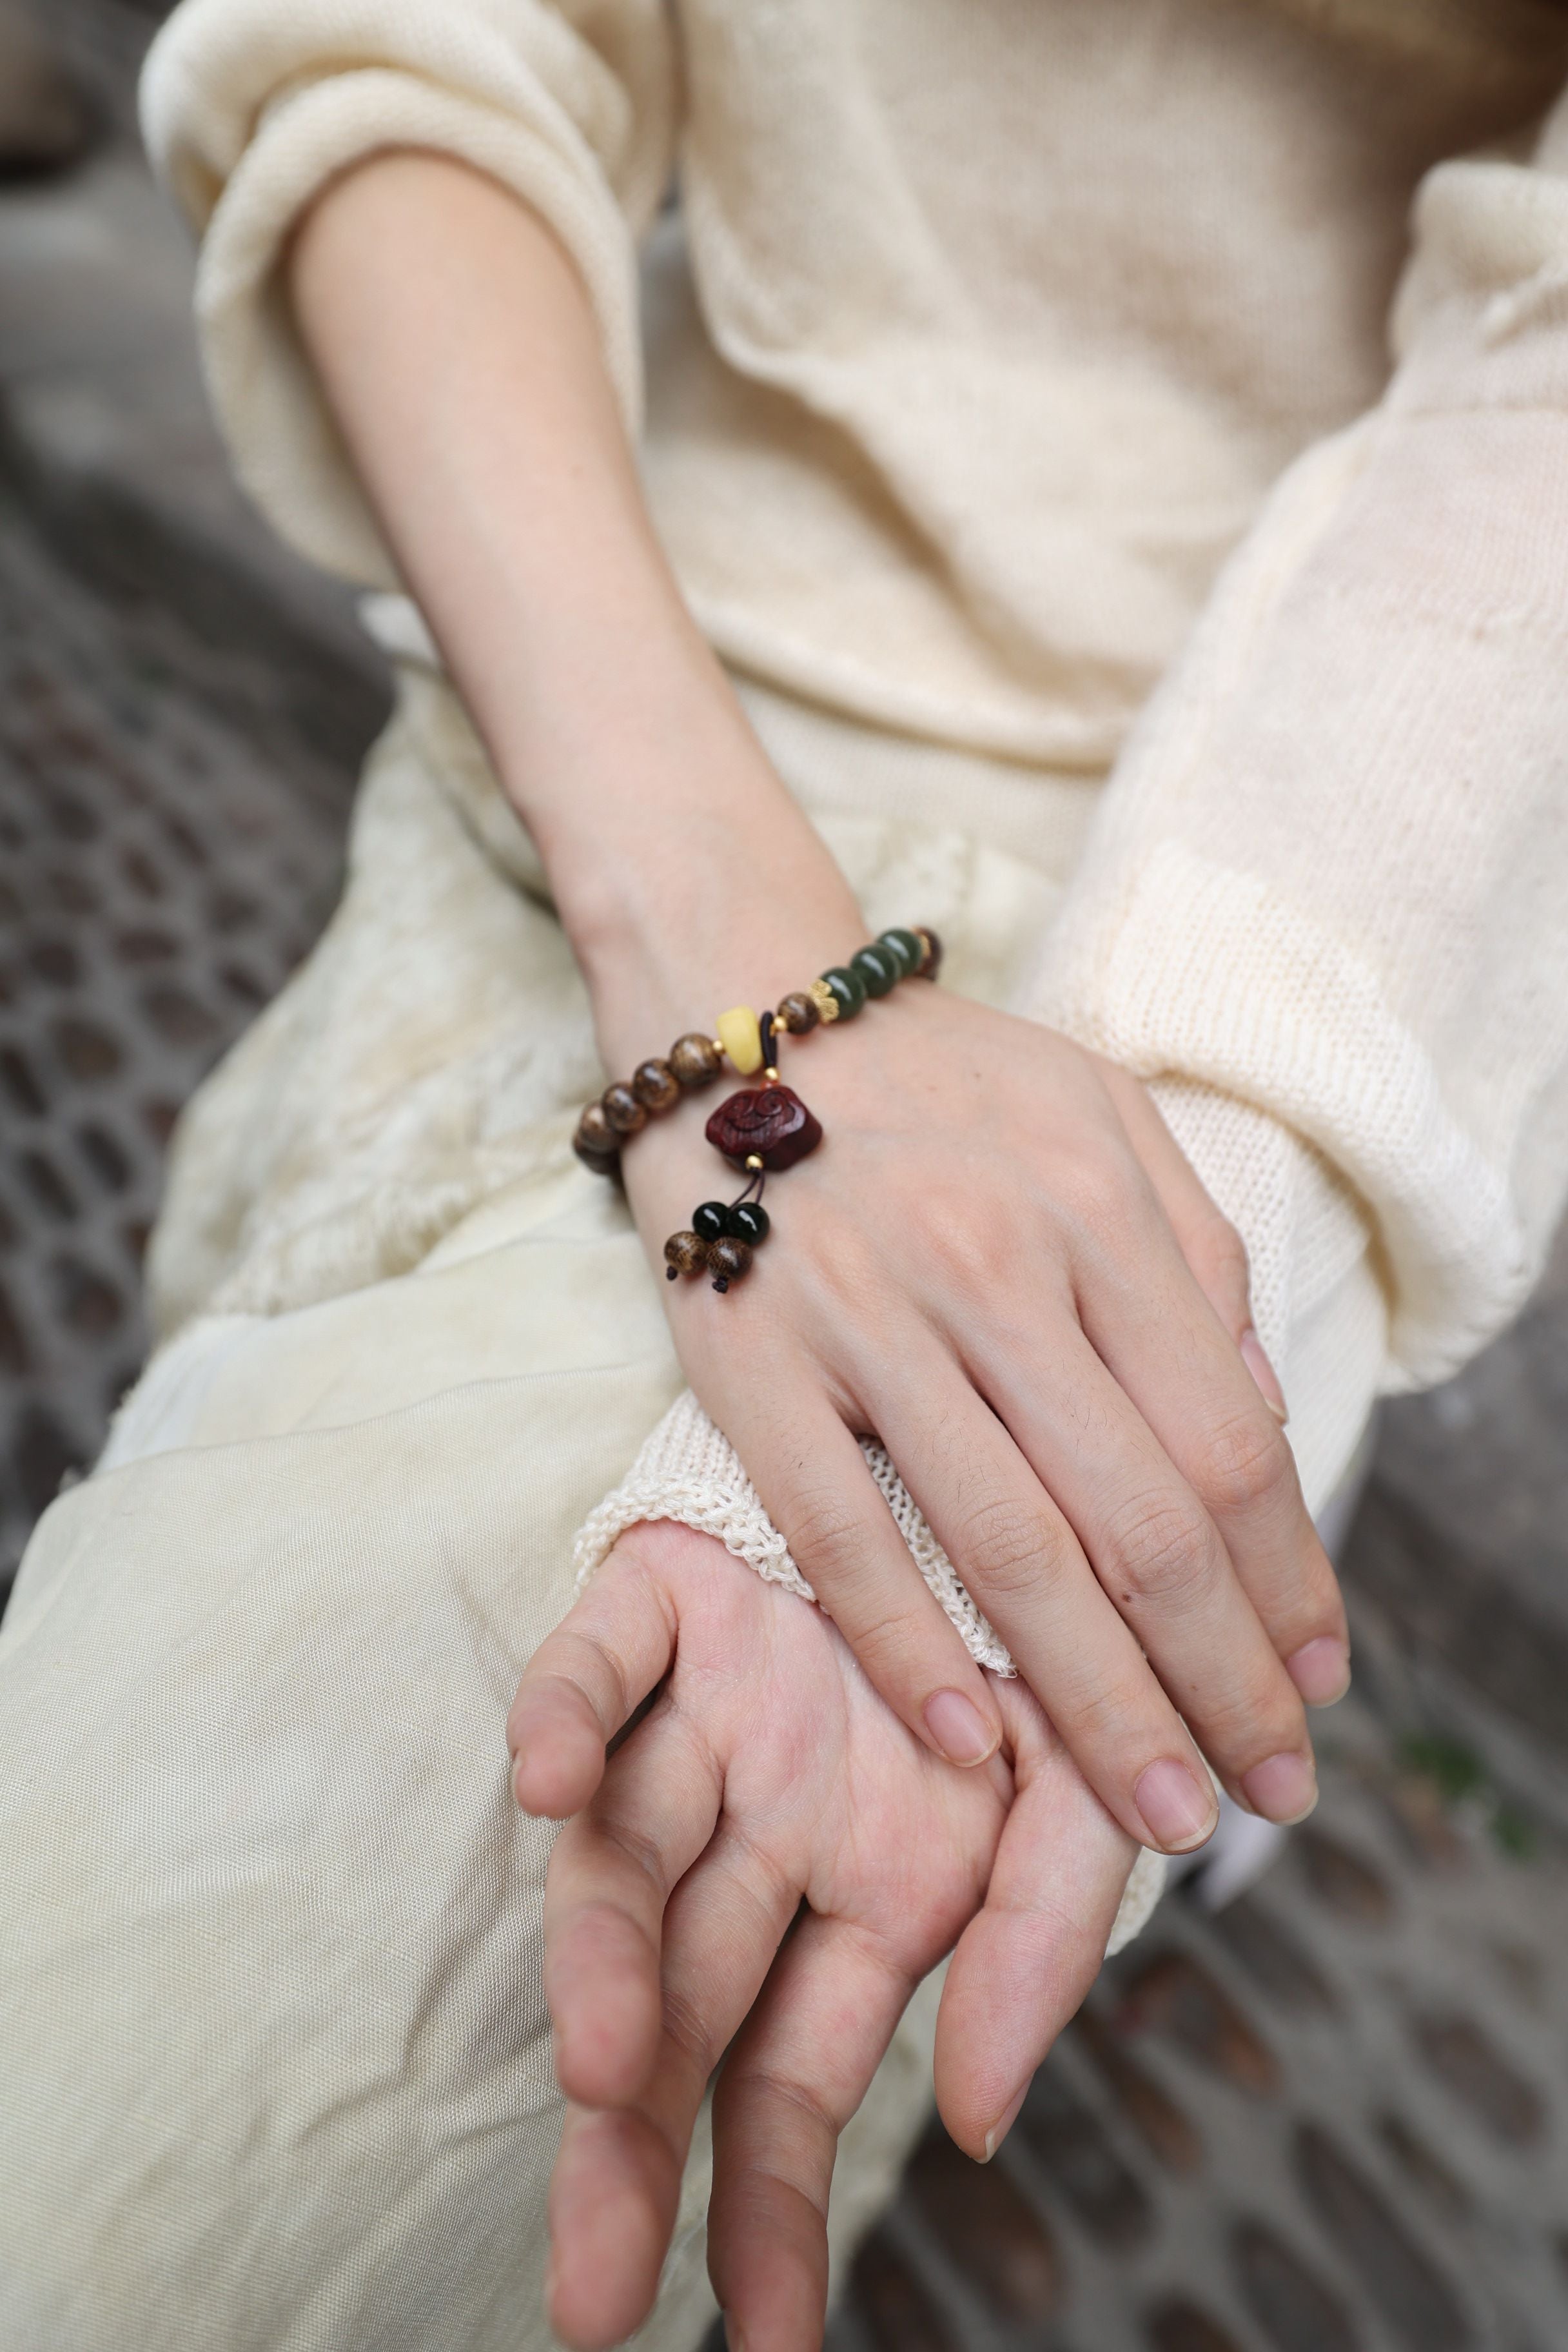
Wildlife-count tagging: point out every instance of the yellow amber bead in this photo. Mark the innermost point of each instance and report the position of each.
(741, 1035)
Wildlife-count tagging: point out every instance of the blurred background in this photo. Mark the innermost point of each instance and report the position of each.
(1328, 2116)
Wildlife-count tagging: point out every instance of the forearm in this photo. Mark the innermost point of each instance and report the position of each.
(462, 362)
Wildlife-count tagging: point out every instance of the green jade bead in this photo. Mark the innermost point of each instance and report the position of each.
(877, 968)
(848, 988)
(905, 947)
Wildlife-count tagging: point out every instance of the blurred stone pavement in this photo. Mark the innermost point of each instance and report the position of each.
(1332, 2117)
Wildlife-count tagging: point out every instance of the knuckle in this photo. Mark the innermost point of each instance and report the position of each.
(636, 1849)
(1007, 1543)
(1161, 1546)
(890, 1643)
(687, 2027)
(1219, 1252)
(1092, 1195)
(1101, 1719)
(826, 1534)
(966, 1256)
(1246, 1466)
(1251, 1720)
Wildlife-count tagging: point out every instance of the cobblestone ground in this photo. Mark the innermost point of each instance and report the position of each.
(162, 866)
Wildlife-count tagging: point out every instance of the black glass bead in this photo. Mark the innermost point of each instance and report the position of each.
(710, 1219)
(748, 1221)
(877, 969)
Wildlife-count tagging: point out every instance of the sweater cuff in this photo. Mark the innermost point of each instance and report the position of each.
(281, 438)
(688, 1471)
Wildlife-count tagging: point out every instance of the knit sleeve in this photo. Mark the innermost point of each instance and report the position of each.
(250, 107)
(1323, 906)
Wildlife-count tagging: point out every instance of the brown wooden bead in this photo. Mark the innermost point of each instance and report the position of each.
(596, 1144)
(729, 1258)
(655, 1085)
(686, 1253)
(695, 1059)
(595, 1132)
(796, 1012)
(622, 1108)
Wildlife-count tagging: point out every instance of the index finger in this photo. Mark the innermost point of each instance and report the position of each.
(613, 1871)
(1276, 1553)
(796, 2073)
(1163, 1342)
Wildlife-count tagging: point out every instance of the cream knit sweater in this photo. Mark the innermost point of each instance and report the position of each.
(1017, 380)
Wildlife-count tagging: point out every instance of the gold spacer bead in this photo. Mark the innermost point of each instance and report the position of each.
(826, 1003)
(771, 1074)
(718, 1045)
(754, 1161)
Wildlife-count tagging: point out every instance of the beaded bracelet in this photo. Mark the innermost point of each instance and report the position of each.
(764, 1129)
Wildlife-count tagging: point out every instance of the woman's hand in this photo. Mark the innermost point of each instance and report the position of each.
(766, 1777)
(998, 1260)
(989, 1263)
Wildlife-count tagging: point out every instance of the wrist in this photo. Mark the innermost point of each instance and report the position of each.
(734, 928)
(686, 875)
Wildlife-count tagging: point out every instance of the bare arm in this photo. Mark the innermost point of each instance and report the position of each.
(458, 350)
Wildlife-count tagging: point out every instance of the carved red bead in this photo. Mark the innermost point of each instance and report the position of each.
(767, 1123)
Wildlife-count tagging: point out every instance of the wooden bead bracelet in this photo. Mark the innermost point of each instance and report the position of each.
(762, 1130)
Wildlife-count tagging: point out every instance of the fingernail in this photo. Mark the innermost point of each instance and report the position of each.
(1283, 1788)
(1177, 1812)
(1003, 2124)
(959, 1729)
(1262, 1373)
(1320, 1670)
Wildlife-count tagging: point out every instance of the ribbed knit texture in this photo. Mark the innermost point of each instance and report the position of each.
(688, 1470)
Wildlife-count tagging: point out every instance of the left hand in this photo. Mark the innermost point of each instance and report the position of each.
(769, 1776)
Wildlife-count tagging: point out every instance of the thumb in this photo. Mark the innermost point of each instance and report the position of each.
(587, 1680)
